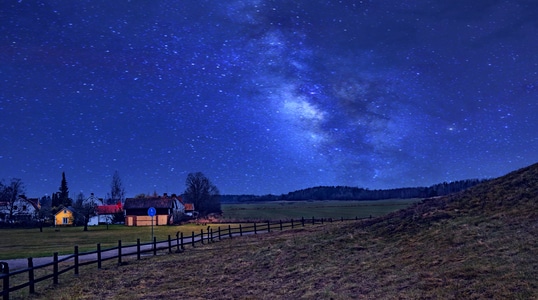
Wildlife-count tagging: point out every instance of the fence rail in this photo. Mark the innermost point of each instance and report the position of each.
(100, 255)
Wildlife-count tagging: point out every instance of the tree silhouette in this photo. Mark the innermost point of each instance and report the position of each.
(63, 196)
(202, 193)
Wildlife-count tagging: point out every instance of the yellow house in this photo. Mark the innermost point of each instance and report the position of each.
(64, 217)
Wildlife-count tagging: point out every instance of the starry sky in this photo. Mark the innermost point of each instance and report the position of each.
(265, 96)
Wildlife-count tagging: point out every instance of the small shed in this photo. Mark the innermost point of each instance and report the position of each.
(166, 207)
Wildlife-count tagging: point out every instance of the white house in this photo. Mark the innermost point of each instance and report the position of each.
(23, 209)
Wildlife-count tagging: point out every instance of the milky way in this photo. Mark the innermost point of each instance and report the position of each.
(265, 96)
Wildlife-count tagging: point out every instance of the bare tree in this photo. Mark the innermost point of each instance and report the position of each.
(84, 209)
(202, 193)
(117, 191)
(11, 195)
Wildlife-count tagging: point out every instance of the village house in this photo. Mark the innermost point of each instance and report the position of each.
(189, 209)
(168, 209)
(105, 214)
(23, 209)
(64, 217)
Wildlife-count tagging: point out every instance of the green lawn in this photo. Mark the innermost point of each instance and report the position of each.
(336, 209)
(22, 243)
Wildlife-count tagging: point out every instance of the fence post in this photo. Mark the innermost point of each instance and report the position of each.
(302, 221)
(31, 275)
(313, 221)
(211, 230)
(280, 225)
(119, 252)
(76, 260)
(219, 234)
(98, 256)
(230, 230)
(291, 223)
(240, 230)
(193, 238)
(182, 247)
(202, 236)
(4, 268)
(321, 221)
(255, 232)
(154, 245)
(55, 268)
(177, 242)
(169, 244)
(268, 226)
(138, 249)
(342, 219)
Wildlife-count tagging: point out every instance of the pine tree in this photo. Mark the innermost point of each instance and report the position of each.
(64, 193)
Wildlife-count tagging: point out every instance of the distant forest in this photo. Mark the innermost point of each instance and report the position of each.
(356, 193)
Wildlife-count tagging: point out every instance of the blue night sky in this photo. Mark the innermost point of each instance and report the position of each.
(265, 96)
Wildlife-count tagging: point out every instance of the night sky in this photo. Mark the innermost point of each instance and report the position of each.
(265, 96)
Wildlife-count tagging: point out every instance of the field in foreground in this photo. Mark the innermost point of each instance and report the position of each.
(479, 244)
(334, 261)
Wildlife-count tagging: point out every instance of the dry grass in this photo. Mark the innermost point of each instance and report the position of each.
(335, 261)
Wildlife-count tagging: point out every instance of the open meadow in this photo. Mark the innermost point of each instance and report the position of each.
(336, 209)
(22, 243)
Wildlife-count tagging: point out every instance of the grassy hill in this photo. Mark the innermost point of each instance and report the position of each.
(478, 244)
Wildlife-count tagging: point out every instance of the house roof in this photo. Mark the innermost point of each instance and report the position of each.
(108, 209)
(144, 203)
(67, 208)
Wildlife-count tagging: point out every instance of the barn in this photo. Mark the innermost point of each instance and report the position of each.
(167, 208)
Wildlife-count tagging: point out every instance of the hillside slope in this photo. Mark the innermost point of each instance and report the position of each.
(479, 243)
(512, 198)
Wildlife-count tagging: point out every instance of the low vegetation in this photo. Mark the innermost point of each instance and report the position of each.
(335, 209)
(478, 244)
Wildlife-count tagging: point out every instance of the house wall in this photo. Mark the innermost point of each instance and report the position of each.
(64, 213)
(158, 220)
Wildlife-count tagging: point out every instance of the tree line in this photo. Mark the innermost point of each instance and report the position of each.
(13, 202)
(356, 193)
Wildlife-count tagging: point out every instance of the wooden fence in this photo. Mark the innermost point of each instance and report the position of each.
(177, 244)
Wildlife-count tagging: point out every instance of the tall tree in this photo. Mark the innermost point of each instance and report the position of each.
(202, 193)
(117, 191)
(64, 193)
(45, 212)
(84, 210)
(11, 194)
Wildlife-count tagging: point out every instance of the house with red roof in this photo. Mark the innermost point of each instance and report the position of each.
(105, 214)
(189, 209)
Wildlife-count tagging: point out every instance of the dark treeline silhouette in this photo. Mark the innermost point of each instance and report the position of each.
(356, 193)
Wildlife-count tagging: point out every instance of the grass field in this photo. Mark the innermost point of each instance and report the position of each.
(285, 210)
(22, 243)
